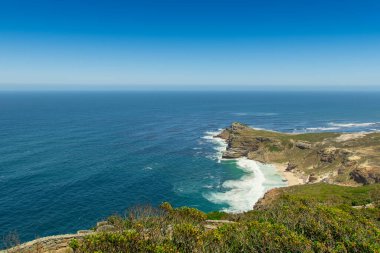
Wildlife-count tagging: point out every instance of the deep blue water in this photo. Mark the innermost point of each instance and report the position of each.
(70, 159)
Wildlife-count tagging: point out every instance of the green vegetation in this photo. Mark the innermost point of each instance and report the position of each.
(335, 194)
(274, 148)
(74, 244)
(217, 215)
(311, 137)
(308, 218)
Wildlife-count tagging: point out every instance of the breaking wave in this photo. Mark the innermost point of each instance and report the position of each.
(316, 129)
(352, 125)
(241, 194)
(220, 145)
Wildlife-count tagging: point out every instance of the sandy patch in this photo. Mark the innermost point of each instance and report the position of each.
(292, 178)
(347, 137)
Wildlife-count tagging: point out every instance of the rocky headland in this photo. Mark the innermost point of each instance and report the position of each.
(335, 158)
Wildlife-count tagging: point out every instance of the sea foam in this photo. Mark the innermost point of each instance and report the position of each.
(332, 126)
(219, 144)
(316, 129)
(347, 125)
(241, 194)
(258, 114)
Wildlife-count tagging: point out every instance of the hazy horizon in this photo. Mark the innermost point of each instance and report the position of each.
(179, 88)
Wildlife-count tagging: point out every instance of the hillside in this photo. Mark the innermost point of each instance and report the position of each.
(339, 158)
(306, 218)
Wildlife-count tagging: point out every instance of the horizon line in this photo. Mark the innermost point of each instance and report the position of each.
(215, 88)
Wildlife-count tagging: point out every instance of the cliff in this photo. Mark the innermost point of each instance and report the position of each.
(337, 158)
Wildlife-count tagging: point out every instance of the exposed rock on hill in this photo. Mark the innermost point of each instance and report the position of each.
(366, 175)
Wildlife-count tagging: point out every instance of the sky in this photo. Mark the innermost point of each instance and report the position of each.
(99, 44)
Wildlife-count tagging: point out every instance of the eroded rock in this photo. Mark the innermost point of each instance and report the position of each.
(105, 228)
(328, 154)
(291, 166)
(234, 153)
(365, 175)
(312, 178)
(303, 145)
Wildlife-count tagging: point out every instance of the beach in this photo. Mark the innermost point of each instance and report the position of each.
(292, 178)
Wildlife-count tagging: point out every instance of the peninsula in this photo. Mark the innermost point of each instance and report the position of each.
(336, 158)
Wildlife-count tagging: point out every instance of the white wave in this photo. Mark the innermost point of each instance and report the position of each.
(243, 193)
(345, 125)
(240, 113)
(209, 135)
(266, 114)
(259, 128)
(264, 129)
(254, 114)
(220, 144)
(337, 126)
(314, 129)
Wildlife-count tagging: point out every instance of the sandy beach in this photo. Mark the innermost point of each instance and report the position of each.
(292, 178)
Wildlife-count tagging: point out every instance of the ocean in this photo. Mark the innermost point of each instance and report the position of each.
(69, 159)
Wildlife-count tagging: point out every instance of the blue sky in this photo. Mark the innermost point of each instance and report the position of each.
(176, 43)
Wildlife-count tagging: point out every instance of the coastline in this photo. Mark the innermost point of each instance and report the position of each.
(258, 178)
(290, 177)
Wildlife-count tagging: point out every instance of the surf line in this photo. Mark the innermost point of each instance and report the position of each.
(239, 194)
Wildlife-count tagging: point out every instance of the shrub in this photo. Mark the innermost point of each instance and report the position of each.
(290, 224)
(187, 237)
(74, 244)
(190, 213)
(166, 207)
(216, 215)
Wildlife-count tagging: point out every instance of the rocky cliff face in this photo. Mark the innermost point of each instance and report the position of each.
(58, 243)
(328, 157)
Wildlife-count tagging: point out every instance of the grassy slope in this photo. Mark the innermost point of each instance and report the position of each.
(325, 193)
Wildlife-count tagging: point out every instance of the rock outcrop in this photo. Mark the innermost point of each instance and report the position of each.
(50, 244)
(58, 243)
(328, 155)
(291, 166)
(303, 145)
(365, 175)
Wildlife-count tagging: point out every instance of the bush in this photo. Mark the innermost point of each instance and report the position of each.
(289, 224)
(166, 207)
(74, 244)
(192, 214)
(217, 215)
(187, 237)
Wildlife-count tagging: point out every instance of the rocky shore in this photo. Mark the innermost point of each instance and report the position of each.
(336, 158)
(58, 243)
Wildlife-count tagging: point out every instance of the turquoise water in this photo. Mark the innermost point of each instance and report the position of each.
(70, 159)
